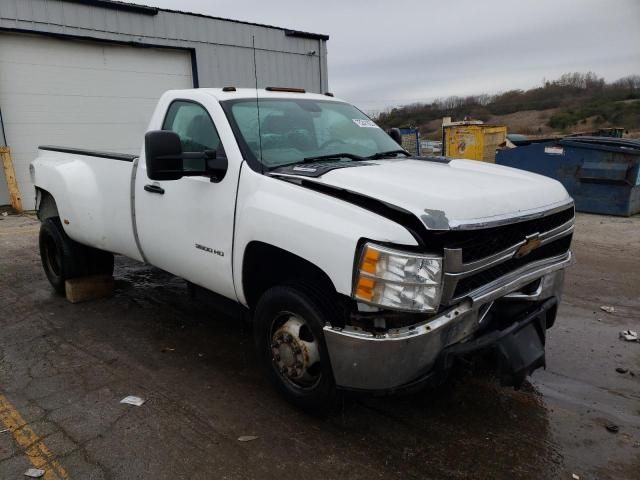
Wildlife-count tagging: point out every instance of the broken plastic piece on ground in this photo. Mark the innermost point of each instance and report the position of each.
(247, 438)
(575, 477)
(5, 214)
(4, 431)
(608, 309)
(621, 370)
(34, 473)
(133, 400)
(612, 428)
(629, 335)
(167, 349)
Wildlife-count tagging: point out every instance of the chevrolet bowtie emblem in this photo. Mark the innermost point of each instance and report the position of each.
(531, 243)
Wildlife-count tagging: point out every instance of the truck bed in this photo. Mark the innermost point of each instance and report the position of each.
(93, 193)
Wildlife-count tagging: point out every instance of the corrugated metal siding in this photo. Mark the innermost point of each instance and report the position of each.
(223, 47)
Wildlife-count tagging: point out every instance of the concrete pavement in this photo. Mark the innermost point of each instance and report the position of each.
(64, 369)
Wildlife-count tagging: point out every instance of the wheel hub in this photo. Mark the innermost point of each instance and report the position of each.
(295, 351)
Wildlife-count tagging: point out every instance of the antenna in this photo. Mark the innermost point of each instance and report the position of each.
(255, 73)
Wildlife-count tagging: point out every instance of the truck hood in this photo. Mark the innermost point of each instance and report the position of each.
(450, 195)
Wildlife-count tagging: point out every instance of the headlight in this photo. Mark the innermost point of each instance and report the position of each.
(398, 280)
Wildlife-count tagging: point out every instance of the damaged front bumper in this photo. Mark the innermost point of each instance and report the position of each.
(401, 357)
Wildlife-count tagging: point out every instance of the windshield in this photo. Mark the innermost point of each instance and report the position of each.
(293, 130)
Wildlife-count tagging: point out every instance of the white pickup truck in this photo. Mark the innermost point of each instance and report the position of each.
(363, 268)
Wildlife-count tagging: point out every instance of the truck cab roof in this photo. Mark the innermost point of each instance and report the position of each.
(233, 93)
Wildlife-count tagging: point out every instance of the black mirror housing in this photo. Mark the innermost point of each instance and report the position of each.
(166, 160)
(163, 151)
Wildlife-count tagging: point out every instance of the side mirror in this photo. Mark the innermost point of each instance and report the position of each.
(167, 161)
(164, 155)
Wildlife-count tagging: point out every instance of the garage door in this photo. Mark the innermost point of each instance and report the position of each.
(81, 94)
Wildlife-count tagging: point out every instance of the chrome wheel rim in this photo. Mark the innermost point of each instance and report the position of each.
(295, 351)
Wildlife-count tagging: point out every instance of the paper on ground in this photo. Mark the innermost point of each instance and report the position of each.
(132, 400)
(34, 473)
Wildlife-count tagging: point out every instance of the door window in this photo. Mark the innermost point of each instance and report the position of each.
(193, 125)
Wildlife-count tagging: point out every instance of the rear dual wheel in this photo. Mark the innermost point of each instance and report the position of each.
(290, 341)
(63, 258)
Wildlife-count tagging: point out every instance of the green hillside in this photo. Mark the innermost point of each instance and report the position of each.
(573, 102)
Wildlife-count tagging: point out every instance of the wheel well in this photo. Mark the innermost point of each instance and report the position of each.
(266, 266)
(45, 205)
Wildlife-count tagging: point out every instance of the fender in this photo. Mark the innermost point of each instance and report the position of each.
(319, 228)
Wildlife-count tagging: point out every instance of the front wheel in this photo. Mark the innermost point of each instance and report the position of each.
(290, 342)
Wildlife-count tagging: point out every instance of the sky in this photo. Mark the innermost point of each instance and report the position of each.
(388, 53)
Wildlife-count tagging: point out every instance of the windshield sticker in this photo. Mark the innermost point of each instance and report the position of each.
(554, 150)
(364, 123)
(304, 169)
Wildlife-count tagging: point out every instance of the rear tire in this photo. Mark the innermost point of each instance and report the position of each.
(61, 257)
(288, 325)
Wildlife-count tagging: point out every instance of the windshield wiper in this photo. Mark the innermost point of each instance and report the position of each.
(379, 155)
(352, 156)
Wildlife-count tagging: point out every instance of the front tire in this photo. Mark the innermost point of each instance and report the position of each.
(288, 333)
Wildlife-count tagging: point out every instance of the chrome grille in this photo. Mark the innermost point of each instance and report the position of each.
(505, 255)
(479, 244)
(484, 277)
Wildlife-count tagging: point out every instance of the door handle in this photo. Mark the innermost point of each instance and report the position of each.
(154, 189)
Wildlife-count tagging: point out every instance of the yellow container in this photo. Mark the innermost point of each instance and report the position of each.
(474, 142)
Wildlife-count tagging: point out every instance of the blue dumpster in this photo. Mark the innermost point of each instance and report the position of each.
(601, 174)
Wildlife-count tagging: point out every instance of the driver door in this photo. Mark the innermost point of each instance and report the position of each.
(185, 226)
